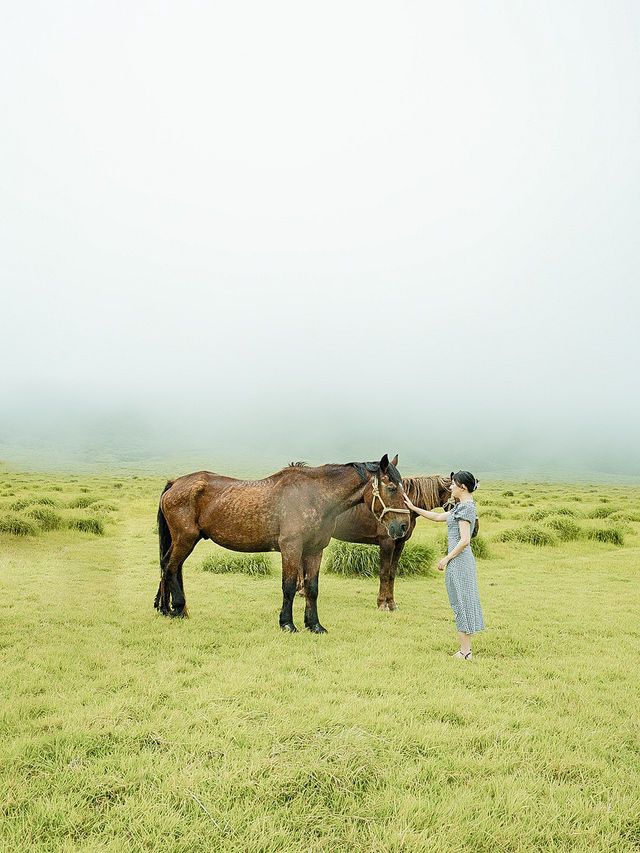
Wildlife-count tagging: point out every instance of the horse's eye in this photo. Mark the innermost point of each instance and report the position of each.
(393, 489)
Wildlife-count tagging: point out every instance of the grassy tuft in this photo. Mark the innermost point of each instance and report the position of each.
(566, 510)
(224, 562)
(625, 515)
(18, 526)
(103, 506)
(417, 558)
(20, 504)
(530, 535)
(87, 525)
(352, 560)
(610, 535)
(82, 502)
(603, 511)
(539, 514)
(566, 529)
(47, 518)
(545, 512)
(480, 548)
(507, 494)
(492, 513)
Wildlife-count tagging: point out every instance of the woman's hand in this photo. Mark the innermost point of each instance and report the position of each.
(408, 502)
(442, 565)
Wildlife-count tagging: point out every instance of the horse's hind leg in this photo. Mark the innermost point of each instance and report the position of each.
(171, 581)
(311, 566)
(162, 599)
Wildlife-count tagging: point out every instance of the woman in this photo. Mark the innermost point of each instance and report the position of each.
(460, 577)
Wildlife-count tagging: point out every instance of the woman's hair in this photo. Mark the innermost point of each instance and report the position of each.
(465, 478)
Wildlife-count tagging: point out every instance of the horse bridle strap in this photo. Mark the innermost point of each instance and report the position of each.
(385, 508)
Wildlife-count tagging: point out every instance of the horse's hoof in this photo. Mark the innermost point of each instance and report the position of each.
(384, 606)
(317, 629)
(290, 627)
(179, 614)
(392, 605)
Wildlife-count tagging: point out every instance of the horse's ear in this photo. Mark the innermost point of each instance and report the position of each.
(394, 461)
(384, 464)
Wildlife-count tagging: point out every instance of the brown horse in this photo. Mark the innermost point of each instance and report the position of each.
(358, 524)
(294, 511)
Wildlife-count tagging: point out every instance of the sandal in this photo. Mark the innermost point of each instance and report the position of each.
(462, 656)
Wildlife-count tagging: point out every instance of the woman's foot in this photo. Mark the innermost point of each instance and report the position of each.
(460, 654)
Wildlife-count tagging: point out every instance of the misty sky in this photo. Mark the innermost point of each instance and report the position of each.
(323, 231)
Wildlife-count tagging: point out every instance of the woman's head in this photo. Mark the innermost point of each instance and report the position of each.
(463, 481)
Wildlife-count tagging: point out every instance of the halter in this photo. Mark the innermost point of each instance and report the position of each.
(385, 508)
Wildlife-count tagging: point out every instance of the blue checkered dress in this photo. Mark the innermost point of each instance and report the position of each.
(460, 574)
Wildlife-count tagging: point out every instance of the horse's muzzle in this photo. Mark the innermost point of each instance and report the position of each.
(398, 529)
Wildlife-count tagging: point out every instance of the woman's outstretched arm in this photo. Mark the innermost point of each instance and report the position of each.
(425, 513)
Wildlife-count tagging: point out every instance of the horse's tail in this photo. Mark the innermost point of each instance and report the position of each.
(163, 528)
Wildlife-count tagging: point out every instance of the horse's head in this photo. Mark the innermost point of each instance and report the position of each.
(444, 492)
(384, 495)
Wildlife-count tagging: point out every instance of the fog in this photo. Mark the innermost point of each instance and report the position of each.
(234, 235)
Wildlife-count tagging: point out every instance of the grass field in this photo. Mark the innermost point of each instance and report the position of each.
(124, 731)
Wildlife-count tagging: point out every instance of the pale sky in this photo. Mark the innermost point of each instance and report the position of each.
(263, 229)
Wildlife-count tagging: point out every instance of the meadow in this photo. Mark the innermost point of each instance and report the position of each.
(121, 730)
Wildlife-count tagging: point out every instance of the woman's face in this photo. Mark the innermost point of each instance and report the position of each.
(457, 491)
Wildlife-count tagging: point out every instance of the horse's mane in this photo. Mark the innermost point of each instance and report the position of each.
(424, 492)
(363, 469)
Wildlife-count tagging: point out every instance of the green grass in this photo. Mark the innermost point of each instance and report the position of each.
(417, 559)
(223, 562)
(612, 535)
(351, 560)
(603, 511)
(17, 526)
(82, 502)
(565, 528)
(529, 534)
(490, 512)
(87, 525)
(124, 731)
(47, 518)
(480, 547)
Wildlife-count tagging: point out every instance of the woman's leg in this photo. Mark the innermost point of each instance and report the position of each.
(465, 646)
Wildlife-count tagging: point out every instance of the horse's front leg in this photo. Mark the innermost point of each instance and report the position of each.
(386, 584)
(395, 559)
(311, 575)
(291, 566)
(300, 582)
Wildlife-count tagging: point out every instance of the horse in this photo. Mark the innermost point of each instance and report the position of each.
(358, 524)
(293, 511)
